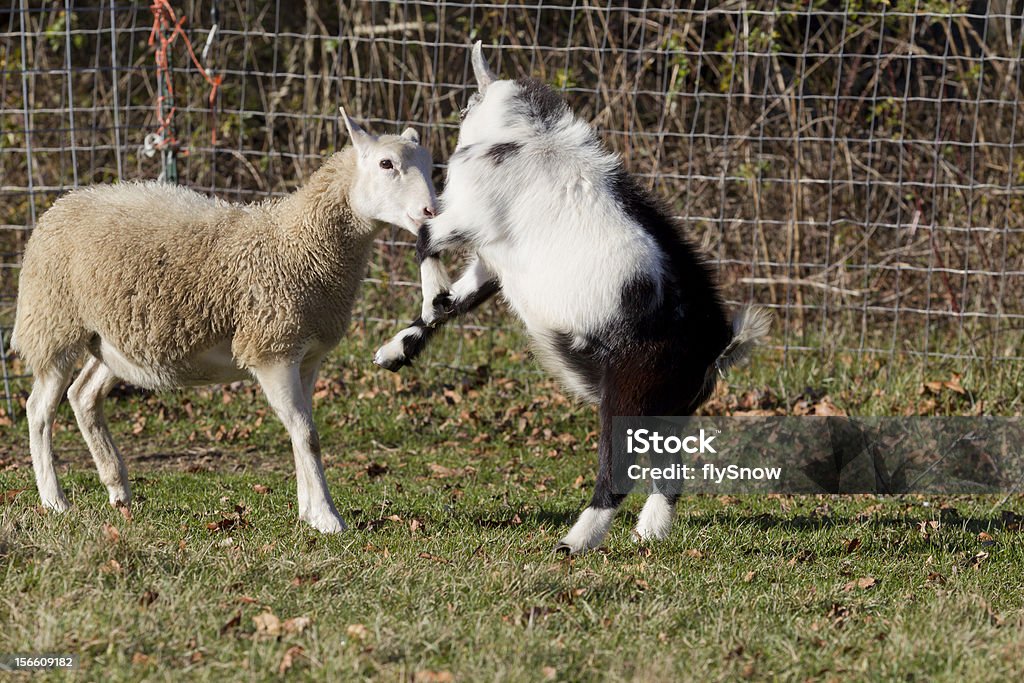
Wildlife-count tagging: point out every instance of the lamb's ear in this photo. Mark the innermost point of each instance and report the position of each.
(484, 75)
(361, 140)
(411, 134)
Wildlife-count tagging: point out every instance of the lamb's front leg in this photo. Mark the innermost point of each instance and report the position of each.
(476, 285)
(282, 383)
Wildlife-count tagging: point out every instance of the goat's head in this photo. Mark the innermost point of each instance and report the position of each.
(392, 181)
(506, 108)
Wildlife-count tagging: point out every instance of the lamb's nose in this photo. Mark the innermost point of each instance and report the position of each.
(428, 211)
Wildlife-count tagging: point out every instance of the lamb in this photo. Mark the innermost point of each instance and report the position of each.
(616, 302)
(165, 288)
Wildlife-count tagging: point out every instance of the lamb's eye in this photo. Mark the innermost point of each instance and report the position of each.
(386, 164)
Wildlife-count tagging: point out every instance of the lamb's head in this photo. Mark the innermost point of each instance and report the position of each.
(501, 109)
(392, 181)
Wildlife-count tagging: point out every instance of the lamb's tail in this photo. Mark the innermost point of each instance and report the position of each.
(749, 327)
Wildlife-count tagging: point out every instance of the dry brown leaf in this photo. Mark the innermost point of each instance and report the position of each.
(428, 676)
(111, 533)
(267, 624)
(801, 557)
(441, 471)
(433, 558)
(296, 624)
(291, 655)
(376, 469)
(694, 553)
(148, 598)
(954, 385)
(863, 583)
(231, 624)
(852, 545)
(357, 632)
(140, 659)
(305, 579)
(977, 560)
(125, 511)
(261, 489)
(10, 495)
(550, 673)
(825, 407)
(749, 576)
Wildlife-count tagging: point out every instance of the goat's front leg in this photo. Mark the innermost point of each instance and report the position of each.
(283, 385)
(476, 285)
(436, 236)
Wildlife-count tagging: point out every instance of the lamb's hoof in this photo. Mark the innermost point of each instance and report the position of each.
(120, 497)
(563, 549)
(327, 524)
(59, 505)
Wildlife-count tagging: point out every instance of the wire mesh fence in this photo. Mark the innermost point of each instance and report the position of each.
(856, 165)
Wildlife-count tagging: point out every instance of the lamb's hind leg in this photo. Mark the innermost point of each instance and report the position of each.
(282, 383)
(86, 396)
(308, 373)
(47, 390)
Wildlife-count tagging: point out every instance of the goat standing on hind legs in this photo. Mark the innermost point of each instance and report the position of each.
(617, 303)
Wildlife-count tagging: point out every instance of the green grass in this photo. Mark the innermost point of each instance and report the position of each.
(456, 485)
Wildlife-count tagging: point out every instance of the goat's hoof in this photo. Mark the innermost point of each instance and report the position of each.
(438, 310)
(444, 305)
(563, 549)
(391, 356)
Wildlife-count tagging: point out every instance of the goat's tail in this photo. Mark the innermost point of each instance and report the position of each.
(750, 325)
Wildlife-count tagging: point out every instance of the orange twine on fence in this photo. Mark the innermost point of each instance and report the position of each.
(164, 20)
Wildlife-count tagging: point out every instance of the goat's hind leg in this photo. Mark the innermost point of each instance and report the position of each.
(47, 389)
(619, 399)
(655, 520)
(86, 396)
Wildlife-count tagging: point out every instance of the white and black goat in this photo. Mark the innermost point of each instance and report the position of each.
(616, 301)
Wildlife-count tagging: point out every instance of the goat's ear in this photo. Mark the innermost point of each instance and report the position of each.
(361, 140)
(411, 134)
(484, 75)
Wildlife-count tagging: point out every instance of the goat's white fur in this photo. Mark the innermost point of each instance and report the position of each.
(655, 519)
(165, 288)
